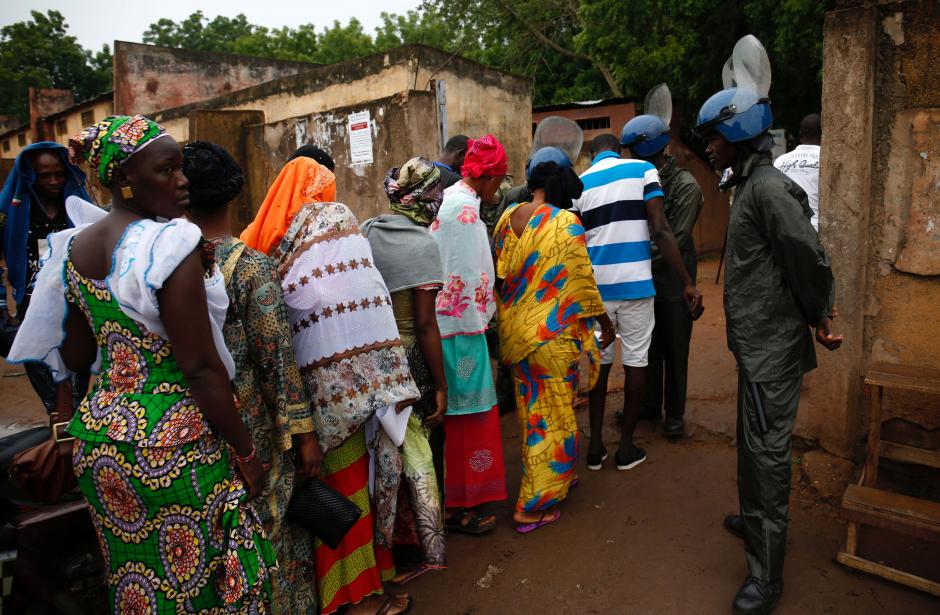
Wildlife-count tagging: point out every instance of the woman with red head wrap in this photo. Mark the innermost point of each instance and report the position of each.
(473, 453)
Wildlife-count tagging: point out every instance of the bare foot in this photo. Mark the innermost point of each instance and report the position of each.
(383, 604)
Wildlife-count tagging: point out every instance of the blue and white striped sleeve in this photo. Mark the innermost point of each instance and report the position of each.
(651, 187)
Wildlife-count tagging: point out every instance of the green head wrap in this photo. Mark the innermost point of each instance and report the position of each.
(112, 141)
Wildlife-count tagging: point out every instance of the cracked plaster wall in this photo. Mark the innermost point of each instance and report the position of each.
(880, 210)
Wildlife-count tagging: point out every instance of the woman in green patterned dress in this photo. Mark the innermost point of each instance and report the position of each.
(270, 392)
(160, 454)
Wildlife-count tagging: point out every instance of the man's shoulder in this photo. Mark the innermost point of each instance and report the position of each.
(683, 177)
(619, 163)
(614, 170)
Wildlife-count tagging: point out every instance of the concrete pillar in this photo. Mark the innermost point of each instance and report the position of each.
(850, 44)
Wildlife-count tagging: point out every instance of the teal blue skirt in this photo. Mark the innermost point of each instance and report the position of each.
(469, 375)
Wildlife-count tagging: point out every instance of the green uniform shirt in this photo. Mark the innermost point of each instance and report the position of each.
(778, 282)
(682, 206)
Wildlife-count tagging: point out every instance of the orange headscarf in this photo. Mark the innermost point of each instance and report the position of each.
(301, 181)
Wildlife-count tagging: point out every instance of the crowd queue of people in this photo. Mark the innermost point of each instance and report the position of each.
(232, 369)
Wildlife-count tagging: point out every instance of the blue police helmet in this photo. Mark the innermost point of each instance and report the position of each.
(645, 135)
(738, 116)
(548, 154)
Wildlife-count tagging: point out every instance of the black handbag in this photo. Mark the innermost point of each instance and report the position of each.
(322, 511)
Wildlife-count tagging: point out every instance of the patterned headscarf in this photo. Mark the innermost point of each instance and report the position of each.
(415, 190)
(486, 157)
(112, 141)
(302, 180)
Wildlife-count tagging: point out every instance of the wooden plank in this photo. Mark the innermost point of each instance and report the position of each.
(910, 454)
(887, 572)
(893, 511)
(908, 377)
(874, 437)
(851, 540)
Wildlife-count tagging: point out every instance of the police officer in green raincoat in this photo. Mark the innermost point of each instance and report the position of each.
(778, 285)
(647, 136)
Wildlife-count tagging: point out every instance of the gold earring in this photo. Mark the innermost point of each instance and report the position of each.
(127, 192)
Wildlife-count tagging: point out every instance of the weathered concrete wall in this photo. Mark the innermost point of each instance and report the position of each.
(228, 129)
(479, 99)
(400, 125)
(96, 109)
(44, 102)
(149, 78)
(879, 173)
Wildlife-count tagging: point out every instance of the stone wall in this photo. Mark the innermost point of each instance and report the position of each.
(479, 99)
(44, 102)
(879, 213)
(400, 125)
(229, 129)
(148, 78)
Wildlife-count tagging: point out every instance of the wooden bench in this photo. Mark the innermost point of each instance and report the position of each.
(865, 504)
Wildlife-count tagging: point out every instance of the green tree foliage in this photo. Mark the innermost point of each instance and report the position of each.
(40, 53)
(235, 35)
(584, 49)
(573, 49)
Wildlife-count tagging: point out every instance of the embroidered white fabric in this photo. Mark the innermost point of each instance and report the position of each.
(349, 302)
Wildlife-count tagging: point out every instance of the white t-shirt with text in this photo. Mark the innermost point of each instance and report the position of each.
(802, 166)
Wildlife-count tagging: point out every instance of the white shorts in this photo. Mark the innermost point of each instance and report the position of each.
(633, 321)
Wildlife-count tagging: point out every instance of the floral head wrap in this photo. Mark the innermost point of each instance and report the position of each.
(415, 190)
(486, 157)
(302, 180)
(112, 141)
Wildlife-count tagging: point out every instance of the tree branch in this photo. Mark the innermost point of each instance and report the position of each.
(546, 41)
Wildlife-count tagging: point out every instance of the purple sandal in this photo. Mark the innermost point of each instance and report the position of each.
(527, 528)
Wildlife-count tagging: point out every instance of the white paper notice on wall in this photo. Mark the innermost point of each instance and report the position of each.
(360, 138)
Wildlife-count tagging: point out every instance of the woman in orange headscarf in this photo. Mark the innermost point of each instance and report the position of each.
(350, 355)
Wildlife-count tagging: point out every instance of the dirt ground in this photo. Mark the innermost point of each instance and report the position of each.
(642, 542)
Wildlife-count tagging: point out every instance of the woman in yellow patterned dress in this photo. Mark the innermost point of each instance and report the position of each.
(160, 454)
(547, 302)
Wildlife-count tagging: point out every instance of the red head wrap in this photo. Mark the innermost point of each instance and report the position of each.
(485, 157)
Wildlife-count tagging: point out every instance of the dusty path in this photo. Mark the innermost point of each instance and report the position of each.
(649, 541)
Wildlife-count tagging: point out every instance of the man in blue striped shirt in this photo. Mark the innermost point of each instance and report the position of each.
(621, 204)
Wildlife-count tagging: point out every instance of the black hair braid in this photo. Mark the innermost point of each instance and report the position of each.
(561, 184)
(214, 176)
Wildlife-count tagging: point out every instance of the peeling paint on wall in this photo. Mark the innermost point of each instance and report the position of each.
(894, 27)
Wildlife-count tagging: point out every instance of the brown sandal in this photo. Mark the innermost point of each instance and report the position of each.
(389, 604)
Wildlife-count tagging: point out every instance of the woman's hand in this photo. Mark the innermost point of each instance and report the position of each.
(440, 404)
(309, 456)
(255, 476)
(400, 406)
